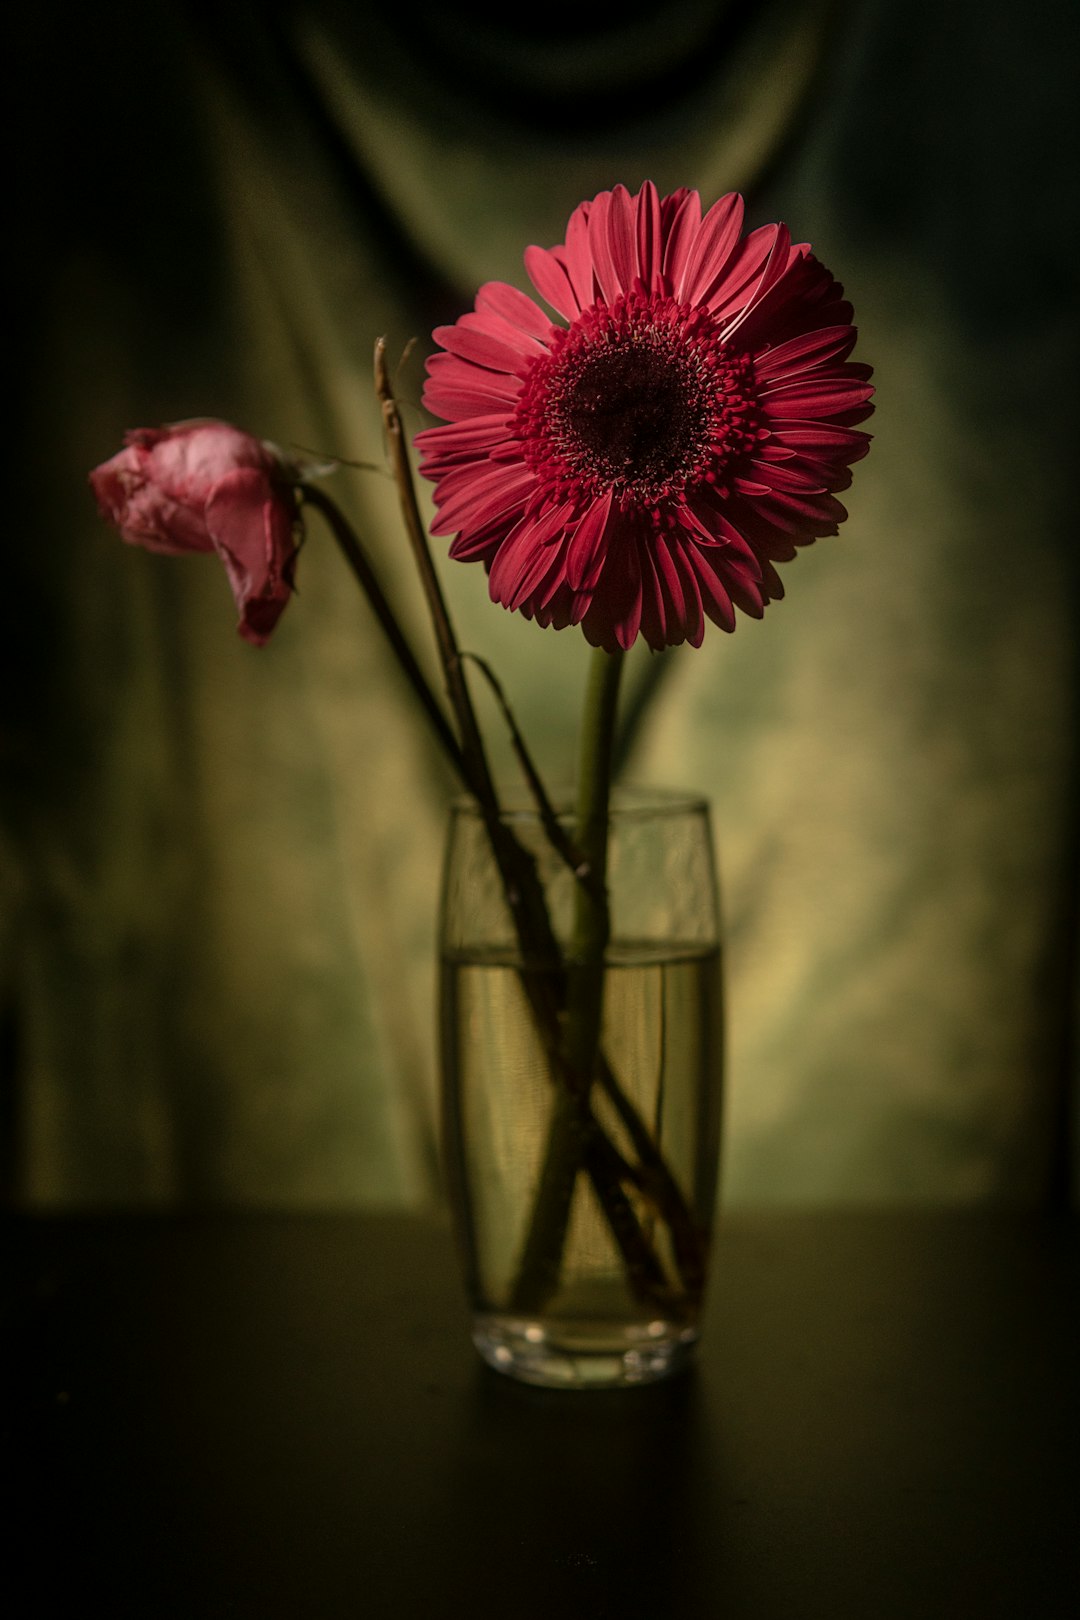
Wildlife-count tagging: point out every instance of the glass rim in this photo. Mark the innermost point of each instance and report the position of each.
(630, 801)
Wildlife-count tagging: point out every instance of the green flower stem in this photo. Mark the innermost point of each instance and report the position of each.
(572, 1121)
(584, 1139)
(592, 919)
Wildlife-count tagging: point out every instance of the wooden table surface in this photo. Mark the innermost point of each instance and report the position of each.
(266, 1415)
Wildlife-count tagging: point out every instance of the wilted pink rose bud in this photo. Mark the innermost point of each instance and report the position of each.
(205, 486)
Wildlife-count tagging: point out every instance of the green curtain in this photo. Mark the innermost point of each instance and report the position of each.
(219, 868)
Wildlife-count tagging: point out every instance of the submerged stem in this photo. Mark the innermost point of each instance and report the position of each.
(564, 1153)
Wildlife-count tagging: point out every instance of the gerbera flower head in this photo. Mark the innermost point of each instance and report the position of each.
(641, 469)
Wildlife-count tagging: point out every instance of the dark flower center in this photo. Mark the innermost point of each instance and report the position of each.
(631, 413)
(639, 398)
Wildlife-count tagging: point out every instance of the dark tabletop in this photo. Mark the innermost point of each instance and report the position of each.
(280, 1415)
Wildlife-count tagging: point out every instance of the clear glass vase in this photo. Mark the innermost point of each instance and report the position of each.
(581, 1098)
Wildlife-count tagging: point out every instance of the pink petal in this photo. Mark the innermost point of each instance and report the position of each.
(802, 297)
(626, 621)
(848, 443)
(251, 526)
(188, 458)
(143, 513)
(611, 242)
(774, 476)
(451, 371)
(747, 594)
(714, 598)
(773, 269)
(553, 524)
(515, 307)
(680, 233)
(804, 352)
(749, 486)
(597, 250)
(794, 514)
(552, 282)
(479, 477)
(519, 567)
(576, 254)
(475, 545)
(648, 235)
(484, 349)
(475, 505)
(587, 545)
(815, 397)
(742, 272)
(772, 584)
(459, 440)
(693, 612)
(496, 326)
(708, 258)
(544, 531)
(654, 607)
(771, 449)
(668, 575)
(717, 528)
(458, 404)
(611, 615)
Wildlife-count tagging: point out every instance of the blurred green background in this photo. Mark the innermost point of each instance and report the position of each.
(219, 867)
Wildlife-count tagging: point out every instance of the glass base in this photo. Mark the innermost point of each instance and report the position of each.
(582, 1355)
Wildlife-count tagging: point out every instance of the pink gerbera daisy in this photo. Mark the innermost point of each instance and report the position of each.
(642, 469)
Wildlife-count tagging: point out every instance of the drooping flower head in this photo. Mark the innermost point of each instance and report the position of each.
(207, 486)
(642, 468)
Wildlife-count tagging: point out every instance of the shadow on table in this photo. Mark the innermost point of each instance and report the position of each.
(575, 1494)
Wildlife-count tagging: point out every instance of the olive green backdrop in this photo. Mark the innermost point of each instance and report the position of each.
(219, 866)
